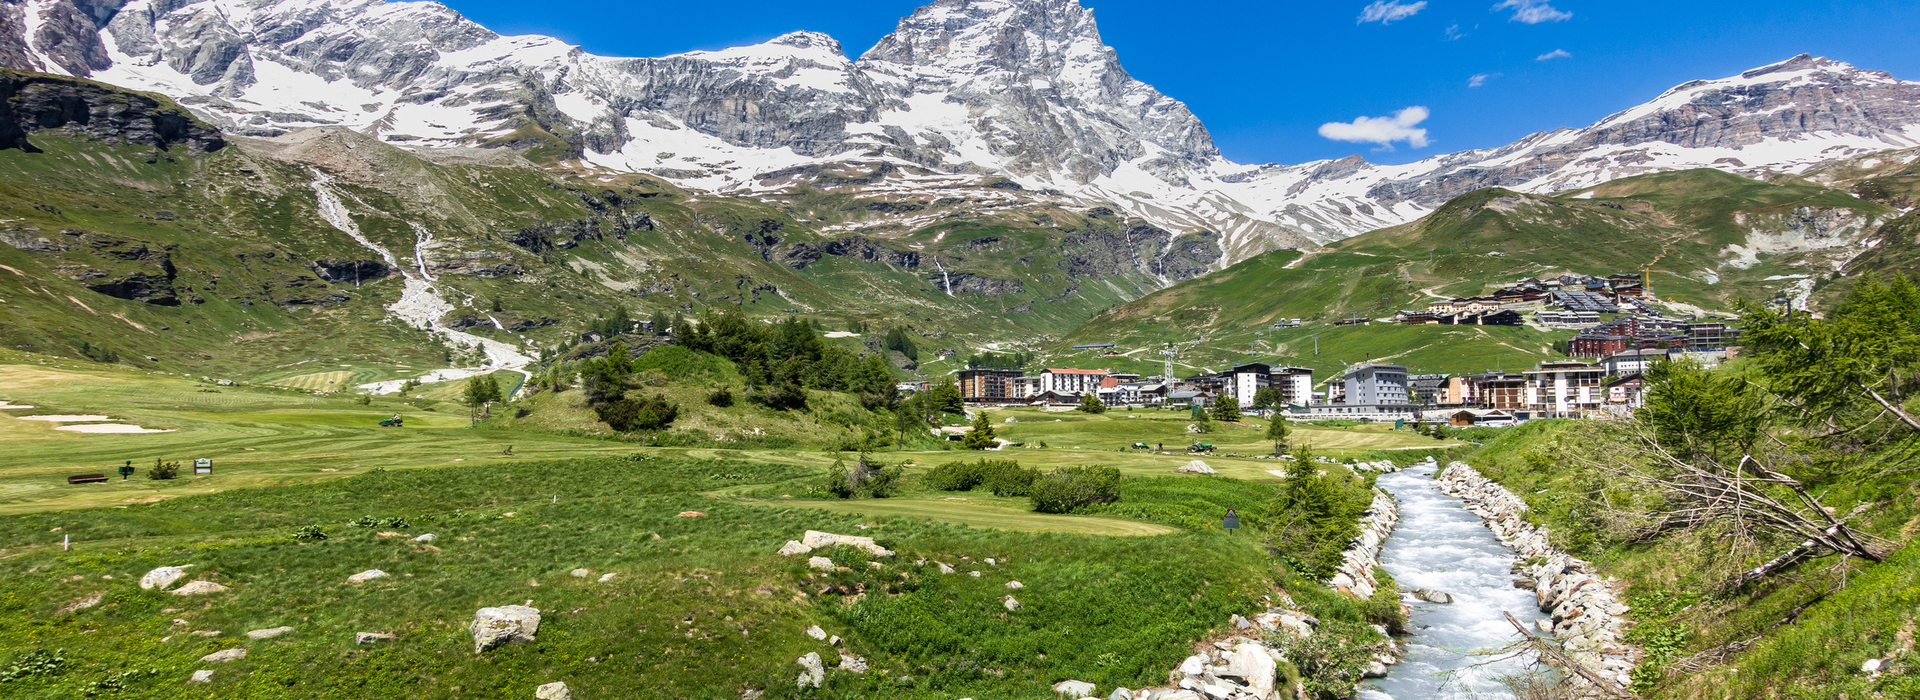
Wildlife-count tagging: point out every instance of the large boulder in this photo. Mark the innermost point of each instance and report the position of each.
(164, 576)
(199, 588)
(816, 539)
(365, 576)
(553, 691)
(1073, 689)
(507, 624)
(268, 633)
(812, 672)
(1252, 665)
(1197, 467)
(792, 547)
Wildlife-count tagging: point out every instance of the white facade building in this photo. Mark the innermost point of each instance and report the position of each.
(1372, 384)
(1067, 380)
(1295, 384)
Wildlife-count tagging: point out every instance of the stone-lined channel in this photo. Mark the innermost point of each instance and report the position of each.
(1439, 545)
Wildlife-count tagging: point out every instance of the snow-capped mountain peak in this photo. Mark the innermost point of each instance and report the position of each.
(962, 91)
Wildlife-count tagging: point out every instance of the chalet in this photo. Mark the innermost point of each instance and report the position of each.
(1628, 390)
(1485, 416)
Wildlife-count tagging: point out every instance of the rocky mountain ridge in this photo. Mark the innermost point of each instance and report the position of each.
(962, 94)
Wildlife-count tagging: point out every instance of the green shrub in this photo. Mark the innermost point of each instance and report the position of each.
(646, 413)
(1070, 489)
(785, 397)
(721, 397)
(163, 470)
(32, 663)
(964, 476)
(1010, 480)
(310, 533)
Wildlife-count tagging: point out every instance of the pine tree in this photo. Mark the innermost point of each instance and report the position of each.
(1226, 410)
(981, 436)
(1090, 403)
(1277, 432)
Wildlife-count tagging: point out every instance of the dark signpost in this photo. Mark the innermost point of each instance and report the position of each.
(1231, 522)
(127, 470)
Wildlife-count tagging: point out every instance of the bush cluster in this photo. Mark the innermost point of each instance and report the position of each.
(868, 478)
(1004, 477)
(1070, 489)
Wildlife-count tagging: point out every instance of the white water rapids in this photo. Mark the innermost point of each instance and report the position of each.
(420, 304)
(1439, 545)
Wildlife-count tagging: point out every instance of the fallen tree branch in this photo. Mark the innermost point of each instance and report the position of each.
(1555, 655)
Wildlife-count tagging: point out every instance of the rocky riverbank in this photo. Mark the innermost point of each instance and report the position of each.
(1586, 612)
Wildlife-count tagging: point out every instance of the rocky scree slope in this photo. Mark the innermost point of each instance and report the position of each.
(958, 94)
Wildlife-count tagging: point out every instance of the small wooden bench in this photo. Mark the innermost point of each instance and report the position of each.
(87, 479)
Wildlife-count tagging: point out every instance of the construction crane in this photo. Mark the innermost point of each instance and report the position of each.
(1646, 281)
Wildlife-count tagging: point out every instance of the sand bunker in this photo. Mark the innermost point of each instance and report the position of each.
(5, 406)
(66, 419)
(110, 428)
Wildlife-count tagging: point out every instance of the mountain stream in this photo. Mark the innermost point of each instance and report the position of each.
(420, 304)
(1439, 545)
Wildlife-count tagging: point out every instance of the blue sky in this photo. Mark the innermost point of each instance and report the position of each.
(1270, 78)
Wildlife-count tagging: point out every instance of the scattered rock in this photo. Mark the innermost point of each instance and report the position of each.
(1196, 467)
(944, 568)
(199, 588)
(164, 576)
(201, 677)
(1016, 585)
(1430, 595)
(268, 633)
(1120, 693)
(580, 573)
(507, 624)
(1375, 669)
(82, 603)
(607, 577)
(692, 514)
(371, 637)
(792, 547)
(429, 537)
(817, 633)
(1073, 689)
(974, 574)
(1871, 666)
(820, 563)
(853, 664)
(553, 691)
(812, 672)
(225, 655)
(368, 575)
(205, 633)
(1012, 605)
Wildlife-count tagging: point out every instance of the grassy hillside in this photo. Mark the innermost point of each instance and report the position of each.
(224, 264)
(1710, 237)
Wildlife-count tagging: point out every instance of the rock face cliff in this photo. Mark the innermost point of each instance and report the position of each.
(1020, 90)
(30, 103)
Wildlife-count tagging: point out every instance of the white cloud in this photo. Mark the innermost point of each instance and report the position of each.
(1382, 130)
(1550, 55)
(1532, 11)
(1454, 33)
(1480, 79)
(1384, 11)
